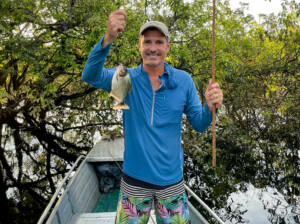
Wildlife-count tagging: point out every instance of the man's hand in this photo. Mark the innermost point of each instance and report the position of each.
(213, 95)
(115, 25)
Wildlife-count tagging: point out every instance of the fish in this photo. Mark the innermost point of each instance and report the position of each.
(120, 87)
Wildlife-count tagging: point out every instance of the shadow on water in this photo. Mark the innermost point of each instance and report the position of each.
(254, 181)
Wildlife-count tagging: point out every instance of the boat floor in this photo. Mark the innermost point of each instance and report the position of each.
(103, 205)
(103, 218)
(104, 213)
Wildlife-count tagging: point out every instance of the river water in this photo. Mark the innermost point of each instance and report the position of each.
(238, 201)
(262, 205)
(257, 201)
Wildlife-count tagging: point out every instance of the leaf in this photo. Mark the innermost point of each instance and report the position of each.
(162, 211)
(177, 219)
(129, 208)
(122, 217)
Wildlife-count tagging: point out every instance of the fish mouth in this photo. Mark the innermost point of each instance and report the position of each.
(122, 70)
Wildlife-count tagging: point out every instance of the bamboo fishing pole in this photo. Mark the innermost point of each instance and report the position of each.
(213, 80)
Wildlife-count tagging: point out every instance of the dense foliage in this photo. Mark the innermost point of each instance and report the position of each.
(49, 116)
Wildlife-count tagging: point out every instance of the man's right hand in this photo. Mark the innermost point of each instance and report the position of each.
(115, 25)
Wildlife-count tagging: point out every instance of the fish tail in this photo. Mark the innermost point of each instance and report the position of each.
(120, 106)
(114, 96)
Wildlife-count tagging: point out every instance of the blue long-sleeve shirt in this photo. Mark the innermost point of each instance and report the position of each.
(152, 125)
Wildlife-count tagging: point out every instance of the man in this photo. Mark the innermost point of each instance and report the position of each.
(153, 158)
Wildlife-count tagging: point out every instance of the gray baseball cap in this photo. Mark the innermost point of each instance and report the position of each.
(155, 24)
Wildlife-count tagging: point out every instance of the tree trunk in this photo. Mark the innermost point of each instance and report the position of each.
(6, 217)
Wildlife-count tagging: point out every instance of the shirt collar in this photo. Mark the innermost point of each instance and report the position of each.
(167, 78)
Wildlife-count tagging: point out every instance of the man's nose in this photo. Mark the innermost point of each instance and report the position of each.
(152, 47)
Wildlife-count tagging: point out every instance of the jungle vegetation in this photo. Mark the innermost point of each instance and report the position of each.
(48, 116)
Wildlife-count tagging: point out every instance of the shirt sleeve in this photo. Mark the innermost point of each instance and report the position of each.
(94, 72)
(199, 117)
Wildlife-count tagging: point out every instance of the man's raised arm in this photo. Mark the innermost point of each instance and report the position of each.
(94, 72)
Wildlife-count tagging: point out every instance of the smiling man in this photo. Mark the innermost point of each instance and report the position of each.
(154, 44)
(153, 157)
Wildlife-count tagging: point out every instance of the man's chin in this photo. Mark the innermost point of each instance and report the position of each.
(153, 64)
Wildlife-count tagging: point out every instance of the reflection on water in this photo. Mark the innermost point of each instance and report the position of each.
(242, 190)
(256, 205)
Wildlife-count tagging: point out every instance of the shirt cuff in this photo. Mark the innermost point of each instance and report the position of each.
(208, 110)
(107, 47)
(98, 49)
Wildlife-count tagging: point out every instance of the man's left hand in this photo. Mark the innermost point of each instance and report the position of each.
(213, 95)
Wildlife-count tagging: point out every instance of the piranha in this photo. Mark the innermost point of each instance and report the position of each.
(120, 86)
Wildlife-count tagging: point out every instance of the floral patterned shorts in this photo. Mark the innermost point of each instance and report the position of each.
(133, 210)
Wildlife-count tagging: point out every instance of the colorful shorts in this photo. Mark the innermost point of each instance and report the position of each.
(134, 210)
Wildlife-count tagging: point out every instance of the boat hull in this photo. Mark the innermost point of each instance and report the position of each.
(77, 202)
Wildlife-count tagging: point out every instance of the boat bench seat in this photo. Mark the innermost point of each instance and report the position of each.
(103, 218)
(93, 218)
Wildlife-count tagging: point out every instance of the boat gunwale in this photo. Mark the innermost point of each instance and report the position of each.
(56, 198)
(89, 158)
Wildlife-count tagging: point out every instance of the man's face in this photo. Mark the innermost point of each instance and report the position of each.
(153, 47)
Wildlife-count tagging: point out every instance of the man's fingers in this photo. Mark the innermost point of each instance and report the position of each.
(119, 27)
(214, 95)
(120, 17)
(215, 86)
(212, 85)
(117, 21)
(120, 12)
(213, 92)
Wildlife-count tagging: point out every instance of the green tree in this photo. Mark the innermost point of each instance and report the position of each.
(45, 121)
(49, 116)
(258, 137)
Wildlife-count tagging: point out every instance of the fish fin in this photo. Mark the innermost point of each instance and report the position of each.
(121, 106)
(114, 96)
